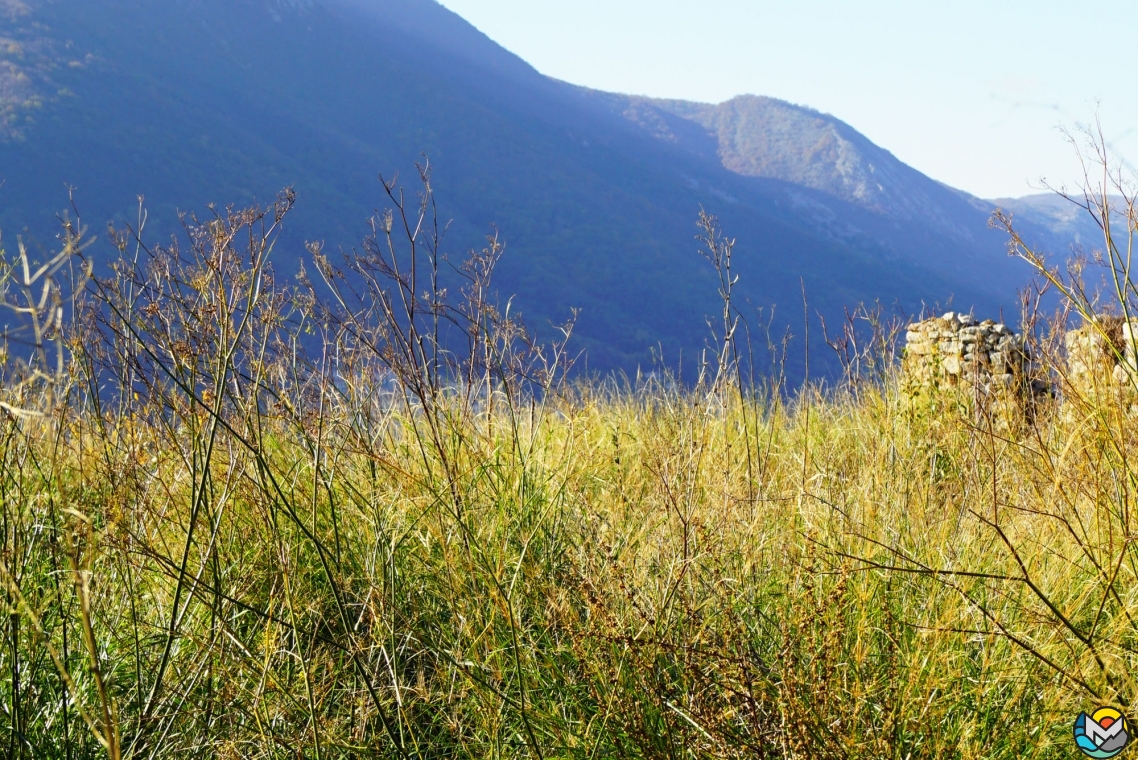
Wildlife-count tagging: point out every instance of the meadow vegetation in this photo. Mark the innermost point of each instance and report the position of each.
(364, 515)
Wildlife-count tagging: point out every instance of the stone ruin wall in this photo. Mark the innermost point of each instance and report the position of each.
(956, 350)
(1095, 356)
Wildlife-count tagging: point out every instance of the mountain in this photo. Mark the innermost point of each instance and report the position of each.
(763, 137)
(191, 102)
(767, 138)
(1058, 222)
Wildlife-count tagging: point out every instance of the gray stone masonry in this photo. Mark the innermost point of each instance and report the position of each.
(1094, 354)
(956, 350)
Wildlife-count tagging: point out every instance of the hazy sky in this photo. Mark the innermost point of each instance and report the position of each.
(971, 92)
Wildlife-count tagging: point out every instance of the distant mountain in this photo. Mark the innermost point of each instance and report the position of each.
(190, 102)
(1058, 223)
(763, 137)
(767, 138)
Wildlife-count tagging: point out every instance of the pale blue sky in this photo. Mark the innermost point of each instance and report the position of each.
(970, 92)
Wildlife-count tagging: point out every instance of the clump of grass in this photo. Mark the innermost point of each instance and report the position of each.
(370, 517)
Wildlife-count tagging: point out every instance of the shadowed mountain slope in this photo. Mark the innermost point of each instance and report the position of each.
(190, 102)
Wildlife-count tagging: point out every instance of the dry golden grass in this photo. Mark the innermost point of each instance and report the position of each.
(245, 521)
(883, 582)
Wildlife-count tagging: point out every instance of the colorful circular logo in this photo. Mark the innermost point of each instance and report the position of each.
(1103, 733)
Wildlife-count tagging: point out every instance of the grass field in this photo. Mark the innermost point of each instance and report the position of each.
(221, 542)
